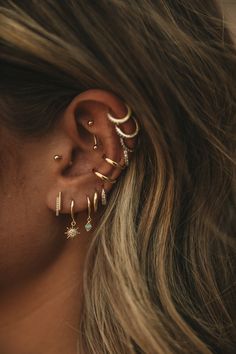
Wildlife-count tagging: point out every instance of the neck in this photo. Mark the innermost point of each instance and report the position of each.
(43, 315)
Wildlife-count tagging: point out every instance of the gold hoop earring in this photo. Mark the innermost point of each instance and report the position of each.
(113, 163)
(72, 231)
(103, 177)
(88, 226)
(58, 204)
(95, 202)
(128, 136)
(120, 120)
(104, 197)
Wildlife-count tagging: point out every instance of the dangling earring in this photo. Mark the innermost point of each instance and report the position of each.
(72, 231)
(88, 225)
(104, 197)
(95, 202)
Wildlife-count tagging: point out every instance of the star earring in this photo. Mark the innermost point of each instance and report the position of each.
(72, 231)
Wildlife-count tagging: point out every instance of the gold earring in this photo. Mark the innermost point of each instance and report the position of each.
(58, 204)
(113, 163)
(88, 225)
(72, 231)
(57, 157)
(103, 177)
(90, 123)
(95, 202)
(95, 146)
(104, 197)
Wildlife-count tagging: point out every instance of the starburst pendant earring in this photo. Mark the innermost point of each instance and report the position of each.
(72, 231)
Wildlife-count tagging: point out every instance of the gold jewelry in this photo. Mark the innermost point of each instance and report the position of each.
(104, 197)
(128, 136)
(120, 120)
(125, 146)
(126, 157)
(88, 225)
(95, 202)
(90, 123)
(113, 163)
(95, 146)
(57, 157)
(72, 231)
(103, 177)
(58, 204)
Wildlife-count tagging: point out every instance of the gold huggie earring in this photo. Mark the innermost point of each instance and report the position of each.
(95, 202)
(113, 163)
(88, 225)
(72, 231)
(103, 177)
(104, 197)
(58, 204)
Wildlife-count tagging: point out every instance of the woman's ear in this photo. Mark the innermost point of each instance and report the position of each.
(86, 150)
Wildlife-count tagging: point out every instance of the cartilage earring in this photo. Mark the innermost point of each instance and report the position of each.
(88, 225)
(120, 120)
(103, 177)
(90, 123)
(113, 163)
(57, 157)
(125, 135)
(104, 197)
(72, 231)
(58, 204)
(95, 202)
(95, 146)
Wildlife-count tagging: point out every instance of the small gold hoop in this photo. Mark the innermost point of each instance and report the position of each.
(95, 201)
(120, 120)
(113, 163)
(72, 204)
(103, 177)
(128, 136)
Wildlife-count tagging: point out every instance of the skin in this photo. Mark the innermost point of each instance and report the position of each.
(40, 270)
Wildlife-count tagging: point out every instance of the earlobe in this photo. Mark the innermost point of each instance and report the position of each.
(97, 134)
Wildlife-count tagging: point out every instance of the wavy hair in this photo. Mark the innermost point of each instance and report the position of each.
(159, 274)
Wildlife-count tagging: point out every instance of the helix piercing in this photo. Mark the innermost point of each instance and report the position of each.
(113, 163)
(125, 146)
(128, 136)
(120, 120)
(58, 204)
(95, 202)
(104, 197)
(103, 177)
(88, 225)
(57, 157)
(72, 231)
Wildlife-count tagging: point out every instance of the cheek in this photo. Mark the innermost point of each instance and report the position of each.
(29, 240)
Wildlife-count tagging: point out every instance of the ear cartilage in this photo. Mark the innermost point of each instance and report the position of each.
(58, 204)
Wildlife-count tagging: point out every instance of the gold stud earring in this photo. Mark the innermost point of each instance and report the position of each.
(90, 123)
(88, 226)
(72, 231)
(58, 204)
(57, 157)
(95, 202)
(104, 197)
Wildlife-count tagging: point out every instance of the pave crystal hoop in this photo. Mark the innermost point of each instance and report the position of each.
(120, 120)
(125, 135)
(113, 163)
(103, 177)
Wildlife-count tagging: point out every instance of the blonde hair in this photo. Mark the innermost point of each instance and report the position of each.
(159, 273)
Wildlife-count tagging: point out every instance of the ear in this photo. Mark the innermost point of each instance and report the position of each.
(83, 138)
